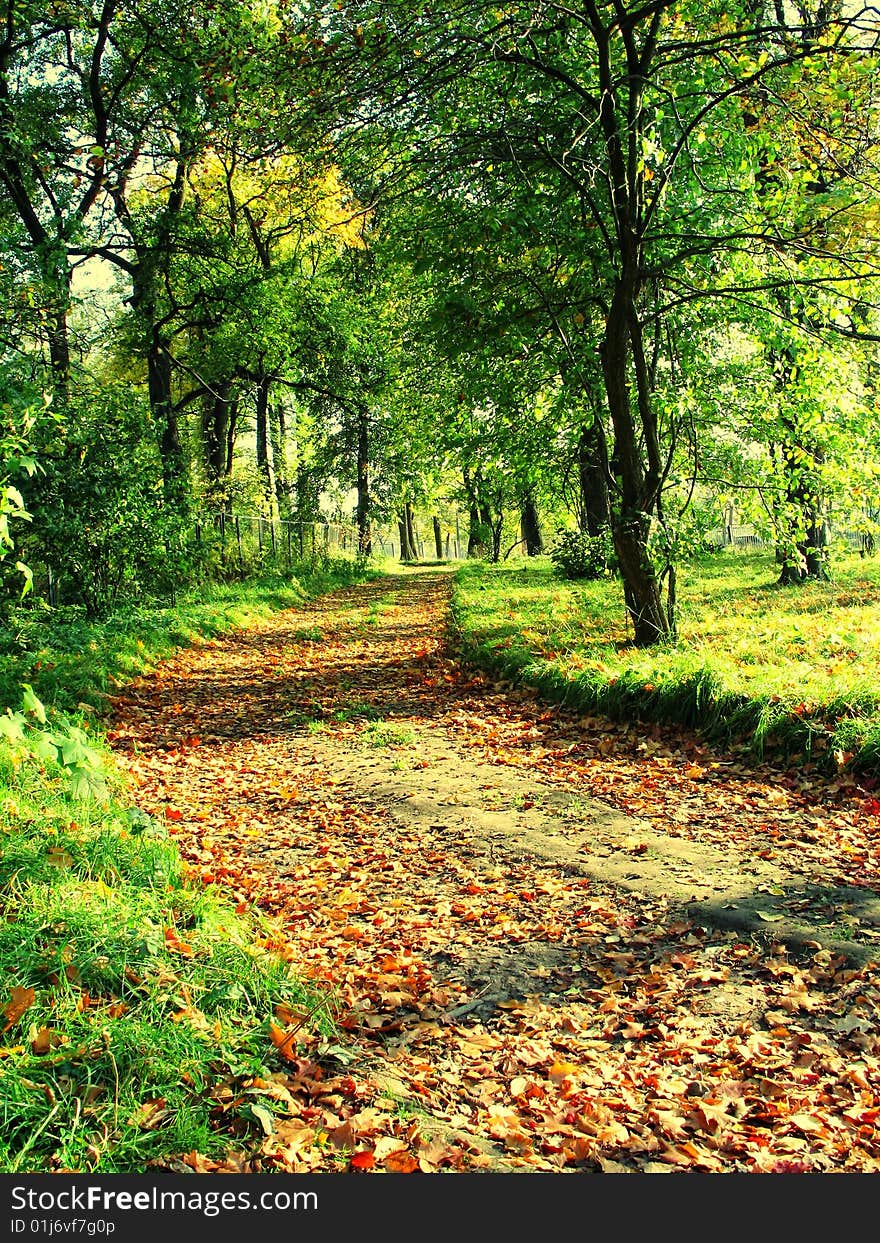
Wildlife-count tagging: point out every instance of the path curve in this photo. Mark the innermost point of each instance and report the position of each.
(498, 892)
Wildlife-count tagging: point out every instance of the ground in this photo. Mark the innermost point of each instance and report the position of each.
(551, 942)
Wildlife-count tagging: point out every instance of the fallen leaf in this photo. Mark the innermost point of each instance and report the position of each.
(21, 999)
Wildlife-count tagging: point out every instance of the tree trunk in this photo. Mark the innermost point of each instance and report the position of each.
(231, 431)
(497, 528)
(160, 388)
(408, 551)
(162, 406)
(531, 528)
(438, 537)
(594, 505)
(216, 418)
(475, 538)
(802, 554)
(365, 541)
(631, 526)
(279, 453)
(265, 463)
(411, 530)
(59, 348)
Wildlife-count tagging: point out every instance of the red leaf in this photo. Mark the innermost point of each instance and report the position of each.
(362, 1161)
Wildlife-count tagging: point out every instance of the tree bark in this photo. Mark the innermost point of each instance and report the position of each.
(279, 452)
(217, 415)
(365, 540)
(408, 551)
(265, 463)
(631, 525)
(594, 504)
(438, 537)
(531, 527)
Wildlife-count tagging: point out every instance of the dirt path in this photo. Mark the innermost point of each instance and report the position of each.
(520, 913)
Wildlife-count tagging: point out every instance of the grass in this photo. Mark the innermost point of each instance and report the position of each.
(380, 733)
(788, 667)
(136, 1004)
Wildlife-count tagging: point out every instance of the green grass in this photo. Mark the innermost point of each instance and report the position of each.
(148, 990)
(387, 734)
(135, 1002)
(794, 667)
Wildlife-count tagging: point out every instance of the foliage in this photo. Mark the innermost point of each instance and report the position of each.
(99, 520)
(577, 554)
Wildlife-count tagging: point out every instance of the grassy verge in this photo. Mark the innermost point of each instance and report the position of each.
(793, 669)
(71, 660)
(136, 1003)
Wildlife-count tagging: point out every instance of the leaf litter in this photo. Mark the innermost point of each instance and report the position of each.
(499, 1006)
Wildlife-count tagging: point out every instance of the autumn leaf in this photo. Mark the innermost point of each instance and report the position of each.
(21, 999)
(284, 1042)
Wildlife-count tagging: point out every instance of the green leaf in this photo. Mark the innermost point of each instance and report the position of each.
(31, 704)
(12, 726)
(45, 749)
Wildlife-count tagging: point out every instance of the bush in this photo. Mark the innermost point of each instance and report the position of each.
(100, 523)
(577, 554)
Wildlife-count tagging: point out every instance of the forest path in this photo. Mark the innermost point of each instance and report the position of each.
(515, 907)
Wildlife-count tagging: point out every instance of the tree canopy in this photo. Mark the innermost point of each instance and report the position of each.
(608, 267)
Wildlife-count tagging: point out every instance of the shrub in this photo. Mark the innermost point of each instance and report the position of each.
(577, 554)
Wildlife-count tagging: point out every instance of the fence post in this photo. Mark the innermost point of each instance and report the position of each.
(289, 559)
(260, 535)
(238, 541)
(272, 533)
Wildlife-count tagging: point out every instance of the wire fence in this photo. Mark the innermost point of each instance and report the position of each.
(250, 537)
(747, 536)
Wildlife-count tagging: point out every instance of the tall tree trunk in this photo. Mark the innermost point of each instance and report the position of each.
(594, 505)
(216, 418)
(631, 526)
(438, 537)
(408, 551)
(231, 432)
(531, 527)
(475, 546)
(411, 529)
(59, 347)
(497, 528)
(279, 452)
(365, 540)
(803, 552)
(265, 463)
(159, 386)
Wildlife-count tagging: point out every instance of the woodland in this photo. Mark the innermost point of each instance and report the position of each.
(439, 490)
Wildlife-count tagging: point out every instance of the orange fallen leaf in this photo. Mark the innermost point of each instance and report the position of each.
(21, 999)
(401, 1163)
(284, 1042)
